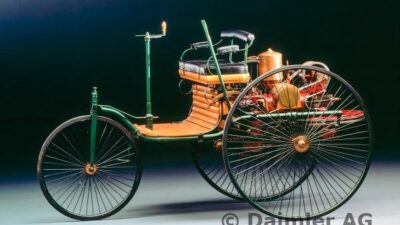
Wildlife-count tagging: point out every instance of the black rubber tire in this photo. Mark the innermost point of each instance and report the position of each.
(81, 121)
(222, 182)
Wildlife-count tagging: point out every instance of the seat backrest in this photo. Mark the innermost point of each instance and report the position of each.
(238, 34)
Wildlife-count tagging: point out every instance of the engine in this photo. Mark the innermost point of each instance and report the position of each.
(295, 90)
(298, 90)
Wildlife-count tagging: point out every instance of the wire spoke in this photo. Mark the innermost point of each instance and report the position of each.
(86, 191)
(295, 161)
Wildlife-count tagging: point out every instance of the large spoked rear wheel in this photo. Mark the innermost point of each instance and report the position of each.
(209, 163)
(293, 120)
(83, 191)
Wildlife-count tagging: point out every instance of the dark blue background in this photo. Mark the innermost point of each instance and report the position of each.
(53, 52)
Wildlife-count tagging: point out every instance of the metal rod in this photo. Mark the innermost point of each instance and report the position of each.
(291, 114)
(93, 125)
(149, 115)
(246, 50)
(231, 53)
(204, 24)
(115, 114)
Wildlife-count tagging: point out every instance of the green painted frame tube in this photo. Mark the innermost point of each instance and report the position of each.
(210, 44)
(291, 114)
(147, 38)
(93, 125)
(149, 115)
(116, 114)
(192, 49)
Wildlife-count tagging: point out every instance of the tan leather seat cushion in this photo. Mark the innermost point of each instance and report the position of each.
(203, 118)
(213, 79)
(181, 129)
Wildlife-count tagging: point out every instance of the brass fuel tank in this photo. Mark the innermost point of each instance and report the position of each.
(270, 60)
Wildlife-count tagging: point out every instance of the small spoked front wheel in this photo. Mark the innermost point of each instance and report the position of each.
(301, 134)
(83, 190)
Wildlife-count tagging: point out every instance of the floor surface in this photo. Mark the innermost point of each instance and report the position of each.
(181, 196)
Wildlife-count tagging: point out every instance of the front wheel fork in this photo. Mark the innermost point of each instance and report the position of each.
(93, 126)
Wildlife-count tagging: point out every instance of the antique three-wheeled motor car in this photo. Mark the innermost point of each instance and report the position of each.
(294, 141)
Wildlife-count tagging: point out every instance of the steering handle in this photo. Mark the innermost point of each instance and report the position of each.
(164, 27)
(147, 35)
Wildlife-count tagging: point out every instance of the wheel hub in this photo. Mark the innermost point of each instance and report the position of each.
(218, 145)
(90, 169)
(301, 143)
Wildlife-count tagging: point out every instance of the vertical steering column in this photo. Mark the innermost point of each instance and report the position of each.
(147, 38)
(149, 115)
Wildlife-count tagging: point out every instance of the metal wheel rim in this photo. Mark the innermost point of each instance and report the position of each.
(370, 138)
(102, 215)
(210, 180)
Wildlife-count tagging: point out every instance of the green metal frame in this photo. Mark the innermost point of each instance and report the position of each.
(147, 40)
(291, 114)
(213, 55)
(124, 118)
(149, 114)
(127, 120)
(193, 49)
(93, 125)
